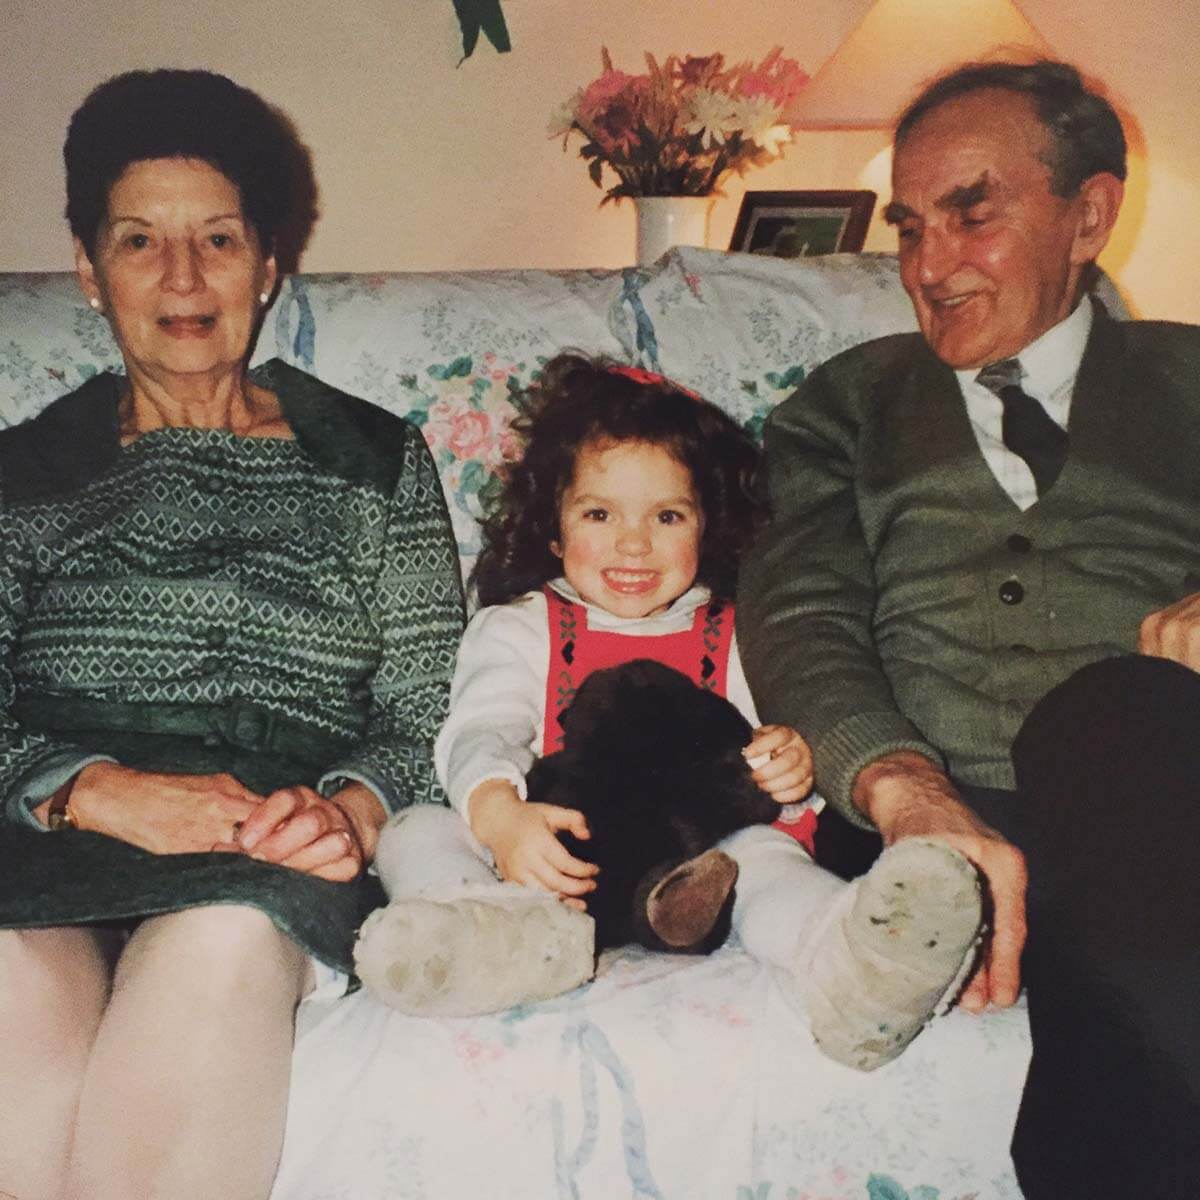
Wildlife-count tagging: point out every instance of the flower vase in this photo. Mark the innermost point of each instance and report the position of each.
(666, 221)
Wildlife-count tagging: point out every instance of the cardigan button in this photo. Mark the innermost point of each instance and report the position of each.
(1018, 543)
(1011, 592)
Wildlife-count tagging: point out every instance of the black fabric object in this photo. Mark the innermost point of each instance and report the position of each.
(1108, 815)
(80, 878)
(655, 765)
(847, 850)
(1028, 430)
(77, 438)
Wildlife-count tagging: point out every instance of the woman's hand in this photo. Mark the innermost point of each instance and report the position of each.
(298, 828)
(785, 771)
(159, 811)
(523, 840)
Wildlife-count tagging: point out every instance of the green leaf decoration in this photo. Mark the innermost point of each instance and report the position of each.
(461, 366)
(884, 1187)
(792, 378)
(486, 15)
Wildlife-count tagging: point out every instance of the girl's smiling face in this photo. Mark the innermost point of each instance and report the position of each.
(630, 526)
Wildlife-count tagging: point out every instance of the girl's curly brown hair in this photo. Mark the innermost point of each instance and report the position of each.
(580, 400)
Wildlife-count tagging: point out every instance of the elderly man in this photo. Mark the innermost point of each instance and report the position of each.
(970, 518)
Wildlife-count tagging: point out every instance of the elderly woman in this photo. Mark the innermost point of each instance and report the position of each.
(229, 605)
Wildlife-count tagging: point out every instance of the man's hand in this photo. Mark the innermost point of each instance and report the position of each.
(523, 839)
(1174, 632)
(906, 795)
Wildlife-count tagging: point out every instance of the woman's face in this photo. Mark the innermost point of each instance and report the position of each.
(178, 269)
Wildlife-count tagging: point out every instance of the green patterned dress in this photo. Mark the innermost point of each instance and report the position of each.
(287, 611)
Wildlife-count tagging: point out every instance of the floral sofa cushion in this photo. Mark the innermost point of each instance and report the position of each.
(449, 349)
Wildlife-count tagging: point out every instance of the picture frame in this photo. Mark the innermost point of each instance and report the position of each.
(802, 224)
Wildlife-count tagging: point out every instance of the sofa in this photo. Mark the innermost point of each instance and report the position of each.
(667, 1077)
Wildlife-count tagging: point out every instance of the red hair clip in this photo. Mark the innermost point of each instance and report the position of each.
(652, 378)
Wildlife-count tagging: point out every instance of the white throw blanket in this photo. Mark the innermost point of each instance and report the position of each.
(668, 1077)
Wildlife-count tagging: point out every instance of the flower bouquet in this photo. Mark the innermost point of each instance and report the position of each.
(684, 125)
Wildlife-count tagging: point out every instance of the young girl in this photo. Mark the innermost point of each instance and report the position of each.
(618, 537)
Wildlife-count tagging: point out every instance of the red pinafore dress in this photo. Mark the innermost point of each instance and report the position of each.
(700, 652)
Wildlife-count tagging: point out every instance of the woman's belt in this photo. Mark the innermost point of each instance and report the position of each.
(234, 724)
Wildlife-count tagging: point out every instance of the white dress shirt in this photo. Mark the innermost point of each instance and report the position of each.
(1048, 370)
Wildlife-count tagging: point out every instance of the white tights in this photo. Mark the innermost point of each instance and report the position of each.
(782, 901)
(166, 1080)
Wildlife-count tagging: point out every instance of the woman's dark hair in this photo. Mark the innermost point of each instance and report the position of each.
(187, 114)
(579, 401)
(1085, 132)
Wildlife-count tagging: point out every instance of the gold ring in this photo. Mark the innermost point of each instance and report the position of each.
(350, 843)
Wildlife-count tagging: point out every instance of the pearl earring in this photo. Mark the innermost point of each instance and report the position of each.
(95, 303)
(263, 297)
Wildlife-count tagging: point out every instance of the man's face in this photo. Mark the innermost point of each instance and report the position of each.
(987, 251)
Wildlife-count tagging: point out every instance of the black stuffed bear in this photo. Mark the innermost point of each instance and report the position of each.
(655, 765)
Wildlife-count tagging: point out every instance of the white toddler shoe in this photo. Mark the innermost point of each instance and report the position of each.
(482, 950)
(896, 949)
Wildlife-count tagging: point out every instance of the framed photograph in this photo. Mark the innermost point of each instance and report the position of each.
(801, 224)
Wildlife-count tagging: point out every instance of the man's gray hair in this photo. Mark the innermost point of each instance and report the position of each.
(1085, 132)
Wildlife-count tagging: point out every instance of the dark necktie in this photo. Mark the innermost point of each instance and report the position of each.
(1028, 429)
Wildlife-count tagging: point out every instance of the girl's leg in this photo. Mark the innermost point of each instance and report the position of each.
(428, 850)
(781, 895)
(186, 1090)
(455, 941)
(53, 987)
(870, 962)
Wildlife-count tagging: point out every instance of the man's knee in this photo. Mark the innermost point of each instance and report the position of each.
(1118, 716)
(1127, 688)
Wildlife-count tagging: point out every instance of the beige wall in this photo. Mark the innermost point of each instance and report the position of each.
(423, 164)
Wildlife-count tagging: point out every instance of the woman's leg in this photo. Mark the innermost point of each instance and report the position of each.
(54, 984)
(869, 962)
(185, 1094)
(454, 940)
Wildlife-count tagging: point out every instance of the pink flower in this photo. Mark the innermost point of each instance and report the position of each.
(695, 70)
(610, 109)
(601, 92)
(441, 418)
(777, 78)
(510, 446)
(470, 433)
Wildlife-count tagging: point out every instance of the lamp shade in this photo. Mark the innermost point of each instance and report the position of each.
(900, 45)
